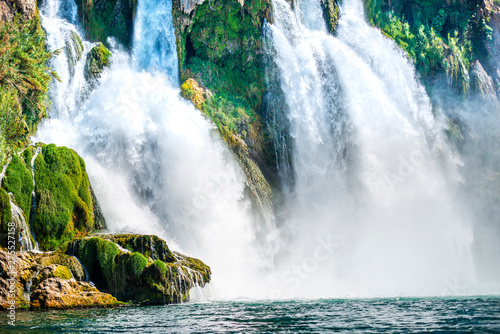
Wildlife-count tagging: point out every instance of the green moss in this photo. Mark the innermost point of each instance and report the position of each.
(222, 49)
(98, 58)
(161, 266)
(149, 245)
(19, 181)
(441, 38)
(64, 201)
(138, 262)
(5, 211)
(98, 256)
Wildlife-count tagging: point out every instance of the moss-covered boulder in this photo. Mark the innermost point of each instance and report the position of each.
(64, 201)
(134, 270)
(98, 58)
(105, 18)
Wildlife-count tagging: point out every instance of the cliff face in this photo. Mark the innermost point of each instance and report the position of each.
(221, 59)
(9, 8)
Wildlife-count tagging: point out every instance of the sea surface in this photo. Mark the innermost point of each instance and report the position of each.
(402, 315)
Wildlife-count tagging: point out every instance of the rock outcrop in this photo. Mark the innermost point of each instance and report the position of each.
(332, 14)
(48, 280)
(9, 8)
(98, 58)
(139, 268)
(57, 293)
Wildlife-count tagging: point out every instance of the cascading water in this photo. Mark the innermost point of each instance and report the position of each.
(156, 165)
(372, 208)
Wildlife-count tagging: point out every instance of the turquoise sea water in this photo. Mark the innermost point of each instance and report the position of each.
(428, 315)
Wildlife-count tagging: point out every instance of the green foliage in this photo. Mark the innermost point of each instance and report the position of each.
(24, 77)
(439, 37)
(5, 211)
(19, 181)
(64, 200)
(138, 262)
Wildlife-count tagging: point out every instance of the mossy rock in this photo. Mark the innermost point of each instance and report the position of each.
(98, 58)
(19, 181)
(150, 246)
(68, 261)
(332, 14)
(133, 276)
(64, 201)
(53, 270)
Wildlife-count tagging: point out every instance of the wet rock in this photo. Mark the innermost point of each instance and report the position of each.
(58, 293)
(98, 58)
(8, 9)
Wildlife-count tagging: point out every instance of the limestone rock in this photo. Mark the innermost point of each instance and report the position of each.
(57, 293)
(8, 9)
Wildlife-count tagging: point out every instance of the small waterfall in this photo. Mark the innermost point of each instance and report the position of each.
(154, 38)
(33, 196)
(371, 209)
(4, 169)
(20, 223)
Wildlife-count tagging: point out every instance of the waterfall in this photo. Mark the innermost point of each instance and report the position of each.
(20, 223)
(156, 164)
(372, 208)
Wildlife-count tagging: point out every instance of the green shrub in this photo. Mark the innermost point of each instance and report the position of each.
(24, 76)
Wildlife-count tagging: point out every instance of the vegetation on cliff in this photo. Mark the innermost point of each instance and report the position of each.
(440, 37)
(219, 44)
(24, 79)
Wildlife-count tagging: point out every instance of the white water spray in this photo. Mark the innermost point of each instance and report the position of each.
(371, 211)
